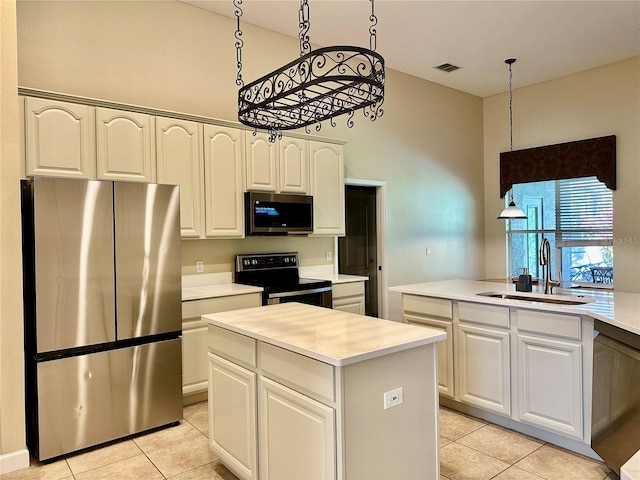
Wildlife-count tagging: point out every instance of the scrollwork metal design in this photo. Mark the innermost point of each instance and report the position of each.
(320, 85)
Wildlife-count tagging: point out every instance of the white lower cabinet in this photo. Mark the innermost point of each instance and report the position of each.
(349, 297)
(484, 366)
(550, 384)
(316, 420)
(435, 313)
(483, 357)
(286, 415)
(445, 350)
(526, 365)
(550, 374)
(232, 418)
(194, 340)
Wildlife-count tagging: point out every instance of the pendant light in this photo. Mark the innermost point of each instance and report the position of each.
(512, 212)
(319, 85)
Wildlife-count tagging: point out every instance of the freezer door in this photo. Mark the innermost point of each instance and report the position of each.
(148, 259)
(91, 399)
(72, 263)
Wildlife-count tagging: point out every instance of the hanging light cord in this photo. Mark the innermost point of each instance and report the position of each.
(510, 62)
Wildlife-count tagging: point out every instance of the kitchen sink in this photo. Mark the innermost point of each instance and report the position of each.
(554, 299)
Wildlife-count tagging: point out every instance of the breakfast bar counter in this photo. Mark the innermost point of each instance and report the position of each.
(298, 391)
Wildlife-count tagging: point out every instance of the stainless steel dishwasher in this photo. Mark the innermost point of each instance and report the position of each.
(615, 418)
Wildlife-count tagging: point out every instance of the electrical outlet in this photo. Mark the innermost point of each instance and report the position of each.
(199, 266)
(328, 256)
(428, 250)
(393, 398)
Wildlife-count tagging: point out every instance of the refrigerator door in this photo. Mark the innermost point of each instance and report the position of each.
(91, 399)
(148, 259)
(72, 262)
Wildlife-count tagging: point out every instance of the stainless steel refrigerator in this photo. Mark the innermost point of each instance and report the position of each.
(102, 280)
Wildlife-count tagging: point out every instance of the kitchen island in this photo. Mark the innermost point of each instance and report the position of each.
(297, 391)
(529, 361)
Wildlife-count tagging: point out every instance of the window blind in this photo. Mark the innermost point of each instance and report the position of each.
(585, 212)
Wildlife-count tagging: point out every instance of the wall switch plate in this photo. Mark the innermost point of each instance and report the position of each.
(428, 250)
(393, 398)
(328, 256)
(199, 266)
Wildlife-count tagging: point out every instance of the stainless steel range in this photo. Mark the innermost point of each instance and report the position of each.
(279, 275)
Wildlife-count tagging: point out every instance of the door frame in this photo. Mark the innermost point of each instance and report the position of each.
(381, 232)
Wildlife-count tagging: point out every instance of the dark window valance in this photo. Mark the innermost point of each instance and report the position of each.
(582, 158)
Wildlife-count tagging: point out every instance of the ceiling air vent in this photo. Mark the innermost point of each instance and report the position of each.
(448, 67)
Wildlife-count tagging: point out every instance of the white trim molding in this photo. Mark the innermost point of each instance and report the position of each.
(10, 462)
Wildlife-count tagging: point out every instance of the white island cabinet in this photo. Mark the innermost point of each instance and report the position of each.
(304, 392)
(524, 361)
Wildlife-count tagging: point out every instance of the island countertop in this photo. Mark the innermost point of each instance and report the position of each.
(330, 336)
(615, 308)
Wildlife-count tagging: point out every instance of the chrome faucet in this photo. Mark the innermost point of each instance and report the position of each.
(545, 260)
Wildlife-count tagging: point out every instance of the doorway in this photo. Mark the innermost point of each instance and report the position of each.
(358, 249)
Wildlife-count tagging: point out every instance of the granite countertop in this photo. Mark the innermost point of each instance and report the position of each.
(330, 336)
(615, 308)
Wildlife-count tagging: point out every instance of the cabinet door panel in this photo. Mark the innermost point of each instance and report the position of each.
(232, 416)
(59, 139)
(327, 188)
(485, 373)
(124, 146)
(223, 182)
(179, 162)
(261, 162)
(297, 435)
(194, 352)
(294, 165)
(550, 390)
(444, 348)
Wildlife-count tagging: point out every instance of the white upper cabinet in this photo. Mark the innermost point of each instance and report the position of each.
(59, 139)
(179, 162)
(223, 182)
(327, 188)
(294, 165)
(124, 145)
(261, 158)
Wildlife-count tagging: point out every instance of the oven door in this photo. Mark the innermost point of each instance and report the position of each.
(321, 297)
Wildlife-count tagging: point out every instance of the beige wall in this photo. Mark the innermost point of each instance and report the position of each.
(12, 431)
(594, 103)
(427, 146)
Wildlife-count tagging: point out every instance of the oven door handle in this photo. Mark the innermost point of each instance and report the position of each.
(297, 293)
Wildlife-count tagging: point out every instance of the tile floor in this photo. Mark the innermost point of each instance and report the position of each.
(469, 449)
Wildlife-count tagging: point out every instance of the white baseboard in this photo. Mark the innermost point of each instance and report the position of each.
(13, 461)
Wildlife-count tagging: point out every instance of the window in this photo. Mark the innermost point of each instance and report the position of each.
(576, 216)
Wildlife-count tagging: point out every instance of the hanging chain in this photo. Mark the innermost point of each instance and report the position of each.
(303, 20)
(239, 42)
(372, 28)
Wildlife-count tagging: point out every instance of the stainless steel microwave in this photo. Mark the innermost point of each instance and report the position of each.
(277, 214)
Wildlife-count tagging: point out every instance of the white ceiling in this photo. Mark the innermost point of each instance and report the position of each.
(549, 39)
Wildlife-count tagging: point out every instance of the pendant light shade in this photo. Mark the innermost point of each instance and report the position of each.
(512, 212)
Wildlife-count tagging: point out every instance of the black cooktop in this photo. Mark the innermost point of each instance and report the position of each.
(275, 272)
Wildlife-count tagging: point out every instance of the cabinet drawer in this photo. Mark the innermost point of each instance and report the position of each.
(487, 314)
(232, 346)
(556, 324)
(297, 371)
(348, 290)
(197, 308)
(438, 307)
